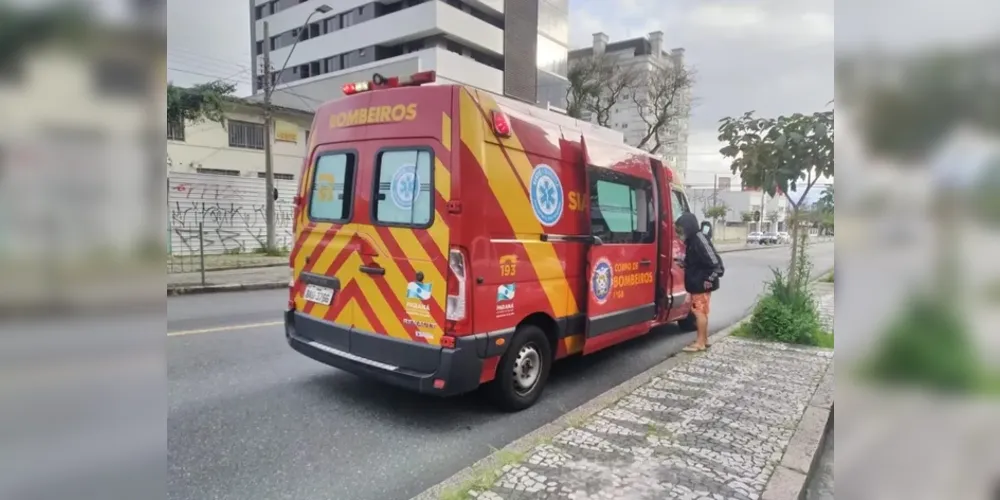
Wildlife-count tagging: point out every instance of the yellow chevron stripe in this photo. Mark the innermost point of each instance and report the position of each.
(397, 283)
(439, 232)
(346, 273)
(420, 260)
(383, 311)
(446, 131)
(516, 206)
(442, 180)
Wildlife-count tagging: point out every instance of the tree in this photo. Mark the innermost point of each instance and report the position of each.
(772, 216)
(23, 29)
(825, 202)
(662, 98)
(716, 212)
(202, 102)
(746, 217)
(777, 154)
(597, 85)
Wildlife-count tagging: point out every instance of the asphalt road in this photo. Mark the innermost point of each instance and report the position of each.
(250, 418)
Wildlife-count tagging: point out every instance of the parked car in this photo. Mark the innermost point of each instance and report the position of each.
(784, 237)
(769, 239)
(753, 237)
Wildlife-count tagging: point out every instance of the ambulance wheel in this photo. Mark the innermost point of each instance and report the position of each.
(523, 370)
(689, 323)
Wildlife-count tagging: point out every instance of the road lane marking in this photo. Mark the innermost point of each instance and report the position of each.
(223, 328)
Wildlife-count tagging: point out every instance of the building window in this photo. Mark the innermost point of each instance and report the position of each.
(246, 135)
(403, 195)
(121, 77)
(282, 177)
(175, 130)
(624, 211)
(219, 171)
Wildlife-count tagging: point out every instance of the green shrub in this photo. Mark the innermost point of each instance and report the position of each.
(787, 314)
(928, 344)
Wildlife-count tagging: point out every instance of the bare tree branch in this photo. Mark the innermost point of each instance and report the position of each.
(662, 99)
(597, 85)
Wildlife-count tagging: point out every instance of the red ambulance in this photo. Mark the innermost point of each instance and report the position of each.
(447, 238)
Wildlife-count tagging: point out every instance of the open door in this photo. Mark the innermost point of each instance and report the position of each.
(622, 260)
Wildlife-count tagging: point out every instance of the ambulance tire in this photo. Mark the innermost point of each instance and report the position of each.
(689, 323)
(530, 355)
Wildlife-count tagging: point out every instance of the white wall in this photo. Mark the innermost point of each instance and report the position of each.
(231, 210)
(412, 23)
(206, 145)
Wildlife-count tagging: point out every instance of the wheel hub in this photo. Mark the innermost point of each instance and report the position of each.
(527, 368)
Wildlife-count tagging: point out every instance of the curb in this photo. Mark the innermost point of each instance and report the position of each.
(231, 287)
(586, 410)
(798, 465)
(275, 285)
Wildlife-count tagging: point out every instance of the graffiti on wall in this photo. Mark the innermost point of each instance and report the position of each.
(231, 211)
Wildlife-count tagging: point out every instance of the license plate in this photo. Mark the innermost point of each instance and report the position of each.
(318, 294)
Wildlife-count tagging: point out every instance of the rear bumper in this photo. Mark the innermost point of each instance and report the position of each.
(410, 365)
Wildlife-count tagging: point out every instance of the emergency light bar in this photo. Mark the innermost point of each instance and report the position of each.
(380, 82)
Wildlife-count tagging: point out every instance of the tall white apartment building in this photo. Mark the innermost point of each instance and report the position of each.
(517, 48)
(644, 54)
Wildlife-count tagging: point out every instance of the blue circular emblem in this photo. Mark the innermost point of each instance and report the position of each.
(405, 187)
(546, 195)
(600, 280)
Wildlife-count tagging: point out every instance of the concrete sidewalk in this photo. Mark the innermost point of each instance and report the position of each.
(742, 421)
(276, 277)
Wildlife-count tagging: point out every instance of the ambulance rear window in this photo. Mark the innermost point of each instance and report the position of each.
(333, 180)
(403, 195)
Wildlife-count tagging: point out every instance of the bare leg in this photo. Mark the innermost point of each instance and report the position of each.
(701, 320)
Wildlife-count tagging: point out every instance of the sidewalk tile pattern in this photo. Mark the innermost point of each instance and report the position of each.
(714, 427)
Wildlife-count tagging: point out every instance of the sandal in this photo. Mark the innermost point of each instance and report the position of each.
(692, 348)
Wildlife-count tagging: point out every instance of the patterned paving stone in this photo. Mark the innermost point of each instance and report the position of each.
(712, 428)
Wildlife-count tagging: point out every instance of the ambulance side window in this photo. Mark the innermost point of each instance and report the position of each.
(622, 209)
(678, 204)
(403, 196)
(332, 187)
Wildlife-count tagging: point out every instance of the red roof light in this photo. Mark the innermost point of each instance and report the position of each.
(501, 125)
(381, 82)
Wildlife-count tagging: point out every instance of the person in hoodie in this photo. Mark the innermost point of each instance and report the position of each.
(702, 269)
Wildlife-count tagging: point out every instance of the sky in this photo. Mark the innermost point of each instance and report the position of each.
(772, 56)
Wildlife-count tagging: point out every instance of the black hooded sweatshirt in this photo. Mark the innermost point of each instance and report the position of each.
(701, 262)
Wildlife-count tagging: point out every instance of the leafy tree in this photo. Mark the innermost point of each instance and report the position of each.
(772, 216)
(825, 202)
(199, 103)
(746, 217)
(22, 29)
(777, 154)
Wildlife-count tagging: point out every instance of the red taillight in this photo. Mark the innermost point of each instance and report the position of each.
(501, 125)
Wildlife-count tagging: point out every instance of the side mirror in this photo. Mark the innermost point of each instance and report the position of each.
(275, 194)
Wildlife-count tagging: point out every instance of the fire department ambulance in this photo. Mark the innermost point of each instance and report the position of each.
(446, 237)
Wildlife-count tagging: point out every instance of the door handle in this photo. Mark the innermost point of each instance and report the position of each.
(372, 270)
(645, 262)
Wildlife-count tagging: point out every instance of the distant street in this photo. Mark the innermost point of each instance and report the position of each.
(251, 419)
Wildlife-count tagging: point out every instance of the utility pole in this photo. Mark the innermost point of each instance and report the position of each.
(268, 159)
